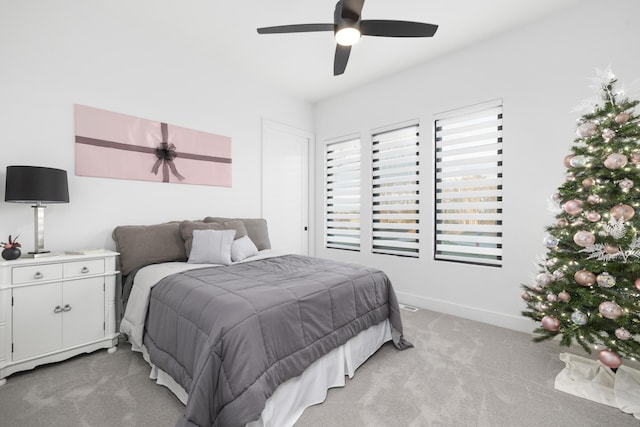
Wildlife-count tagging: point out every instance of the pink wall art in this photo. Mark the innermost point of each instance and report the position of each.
(114, 145)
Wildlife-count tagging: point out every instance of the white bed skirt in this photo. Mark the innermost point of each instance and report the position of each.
(288, 402)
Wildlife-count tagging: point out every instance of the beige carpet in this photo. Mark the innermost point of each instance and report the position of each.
(461, 373)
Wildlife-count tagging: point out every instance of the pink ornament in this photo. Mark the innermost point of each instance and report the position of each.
(552, 297)
(550, 323)
(622, 211)
(611, 249)
(544, 307)
(556, 197)
(615, 161)
(544, 279)
(607, 134)
(573, 207)
(588, 182)
(570, 177)
(526, 296)
(562, 223)
(564, 296)
(587, 129)
(584, 278)
(537, 288)
(622, 334)
(637, 283)
(584, 238)
(567, 160)
(626, 184)
(558, 274)
(622, 118)
(610, 310)
(635, 157)
(610, 359)
(593, 216)
(594, 199)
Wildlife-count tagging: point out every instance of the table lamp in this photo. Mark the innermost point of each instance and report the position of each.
(39, 185)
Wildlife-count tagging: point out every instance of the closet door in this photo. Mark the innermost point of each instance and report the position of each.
(285, 186)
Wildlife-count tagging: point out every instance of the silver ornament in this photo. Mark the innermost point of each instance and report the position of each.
(579, 318)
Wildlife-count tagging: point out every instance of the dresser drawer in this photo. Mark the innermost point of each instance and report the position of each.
(36, 273)
(82, 268)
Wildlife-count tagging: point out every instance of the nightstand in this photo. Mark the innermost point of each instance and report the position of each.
(55, 307)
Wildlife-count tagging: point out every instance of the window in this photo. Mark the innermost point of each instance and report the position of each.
(342, 203)
(468, 185)
(396, 194)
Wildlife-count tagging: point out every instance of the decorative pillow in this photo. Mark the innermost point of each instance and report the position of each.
(256, 230)
(242, 248)
(211, 247)
(141, 245)
(187, 228)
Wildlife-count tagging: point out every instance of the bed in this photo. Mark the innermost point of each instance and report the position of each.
(242, 334)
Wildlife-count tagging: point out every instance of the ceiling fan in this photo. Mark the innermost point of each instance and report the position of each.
(348, 28)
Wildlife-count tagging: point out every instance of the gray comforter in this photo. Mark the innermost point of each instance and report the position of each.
(231, 335)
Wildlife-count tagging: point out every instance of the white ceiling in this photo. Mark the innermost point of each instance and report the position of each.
(302, 64)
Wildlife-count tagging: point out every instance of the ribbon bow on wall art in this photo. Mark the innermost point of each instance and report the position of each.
(114, 145)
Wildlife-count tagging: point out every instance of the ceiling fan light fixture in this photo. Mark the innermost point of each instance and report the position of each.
(347, 36)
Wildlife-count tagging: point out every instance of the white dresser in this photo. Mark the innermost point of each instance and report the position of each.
(55, 307)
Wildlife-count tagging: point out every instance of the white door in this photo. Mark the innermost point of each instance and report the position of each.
(285, 186)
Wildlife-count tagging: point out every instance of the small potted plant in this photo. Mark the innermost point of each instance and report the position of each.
(11, 249)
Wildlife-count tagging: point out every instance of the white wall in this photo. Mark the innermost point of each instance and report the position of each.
(540, 72)
(57, 53)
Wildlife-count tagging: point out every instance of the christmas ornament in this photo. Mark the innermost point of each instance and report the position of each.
(588, 182)
(556, 197)
(611, 249)
(579, 318)
(622, 211)
(610, 359)
(544, 279)
(579, 161)
(570, 178)
(552, 297)
(610, 310)
(635, 157)
(622, 334)
(593, 216)
(573, 207)
(587, 129)
(550, 241)
(594, 199)
(626, 184)
(567, 160)
(606, 280)
(607, 134)
(537, 288)
(558, 274)
(550, 323)
(543, 307)
(564, 296)
(584, 278)
(615, 161)
(622, 118)
(562, 223)
(637, 283)
(584, 238)
(526, 296)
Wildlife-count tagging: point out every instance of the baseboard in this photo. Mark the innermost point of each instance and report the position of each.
(495, 318)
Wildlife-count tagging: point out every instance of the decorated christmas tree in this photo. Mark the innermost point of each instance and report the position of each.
(588, 287)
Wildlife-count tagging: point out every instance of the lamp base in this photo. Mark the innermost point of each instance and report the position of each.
(39, 254)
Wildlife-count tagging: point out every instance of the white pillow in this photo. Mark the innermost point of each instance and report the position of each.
(211, 247)
(242, 248)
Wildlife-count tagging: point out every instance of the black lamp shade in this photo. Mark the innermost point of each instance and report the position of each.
(31, 184)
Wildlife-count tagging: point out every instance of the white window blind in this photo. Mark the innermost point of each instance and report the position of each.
(468, 185)
(342, 203)
(396, 193)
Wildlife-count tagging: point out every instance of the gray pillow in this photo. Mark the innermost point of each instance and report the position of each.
(256, 230)
(141, 245)
(187, 228)
(211, 247)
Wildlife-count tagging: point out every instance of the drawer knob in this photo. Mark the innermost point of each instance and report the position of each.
(84, 270)
(66, 307)
(57, 309)
(38, 275)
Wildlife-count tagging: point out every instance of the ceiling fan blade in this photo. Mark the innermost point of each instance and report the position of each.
(297, 28)
(341, 59)
(352, 9)
(384, 28)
